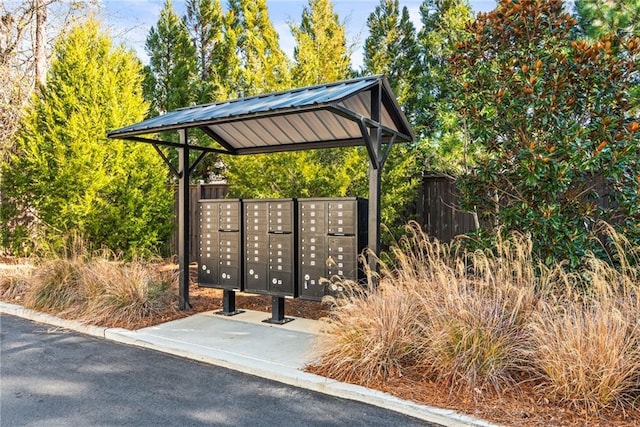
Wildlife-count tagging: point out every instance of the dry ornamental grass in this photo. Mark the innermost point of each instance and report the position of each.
(487, 324)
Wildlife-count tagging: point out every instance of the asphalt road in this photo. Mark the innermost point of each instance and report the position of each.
(53, 377)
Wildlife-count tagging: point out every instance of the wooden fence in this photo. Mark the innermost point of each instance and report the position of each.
(438, 206)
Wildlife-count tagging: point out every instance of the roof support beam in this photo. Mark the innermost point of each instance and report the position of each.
(299, 147)
(368, 122)
(196, 162)
(175, 171)
(217, 138)
(387, 150)
(173, 144)
(370, 144)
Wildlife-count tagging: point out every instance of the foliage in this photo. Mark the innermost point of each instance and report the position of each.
(391, 49)
(321, 53)
(205, 22)
(554, 117)
(597, 18)
(99, 288)
(14, 281)
(66, 173)
(586, 345)
(259, 65)
(170, 79)
(23, 56)
(438, 121)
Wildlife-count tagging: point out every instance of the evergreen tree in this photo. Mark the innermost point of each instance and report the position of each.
(65, 172)
(391, 49)
(205, 22)
(599, 17)
(259, 65)
(437, 121)
(321, 53)
(171, 73)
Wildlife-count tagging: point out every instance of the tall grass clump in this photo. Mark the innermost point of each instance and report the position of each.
(15, 281)
(482, 321)
(126, 293)
(586, 335)
(370, 336)
(99, 287)
(475, 304)
(56, 282)
(459, 317)
(56, 286)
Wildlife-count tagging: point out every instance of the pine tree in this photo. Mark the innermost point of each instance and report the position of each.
(171, 75)
(444, 23)
(66, 173)
(205, 22)
(321, 52)
(259, 65)
(391, 49)
(599, 17)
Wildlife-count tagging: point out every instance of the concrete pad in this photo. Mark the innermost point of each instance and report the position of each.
(263, 343)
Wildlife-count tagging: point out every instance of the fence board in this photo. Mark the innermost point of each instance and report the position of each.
(441, 214)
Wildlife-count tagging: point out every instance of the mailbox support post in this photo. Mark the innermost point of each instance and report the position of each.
(229, 304)
(183, 221)
(375, 173)
(277, 312)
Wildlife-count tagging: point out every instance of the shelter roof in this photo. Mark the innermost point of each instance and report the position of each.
(324, 116)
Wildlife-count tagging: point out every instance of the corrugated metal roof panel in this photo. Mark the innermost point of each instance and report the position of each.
(288, 118)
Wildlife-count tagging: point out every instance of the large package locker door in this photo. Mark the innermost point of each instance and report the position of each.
(208, 254)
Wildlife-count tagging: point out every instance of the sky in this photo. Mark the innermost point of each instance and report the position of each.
(129, 21)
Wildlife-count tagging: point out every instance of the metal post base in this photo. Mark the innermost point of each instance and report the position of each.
(277, 312)
(229, 304)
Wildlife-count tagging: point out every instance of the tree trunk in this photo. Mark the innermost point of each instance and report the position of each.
(40, 51)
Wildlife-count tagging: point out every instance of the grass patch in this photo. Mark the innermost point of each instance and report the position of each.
(370, 337)
(586, 333)
(124, 294)
(56, 287)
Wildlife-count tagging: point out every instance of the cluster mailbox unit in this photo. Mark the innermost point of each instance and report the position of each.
(220, 263)
(280, 247)
(270, 246)
(332, 234)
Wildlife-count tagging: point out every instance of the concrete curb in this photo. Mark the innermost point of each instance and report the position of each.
(246, 365)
